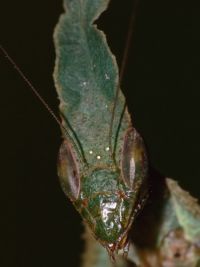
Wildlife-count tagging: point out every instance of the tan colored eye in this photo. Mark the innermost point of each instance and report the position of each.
(134, 159)
(67, 172)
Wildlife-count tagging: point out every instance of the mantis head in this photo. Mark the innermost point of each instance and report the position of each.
(108, 198)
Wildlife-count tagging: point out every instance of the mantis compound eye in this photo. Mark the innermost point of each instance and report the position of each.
(68, 172)
(134, 160)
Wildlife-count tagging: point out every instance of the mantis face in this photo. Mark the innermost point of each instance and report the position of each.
(107, 206)
(108, 198)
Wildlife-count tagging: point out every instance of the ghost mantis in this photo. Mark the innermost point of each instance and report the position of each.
(112, 156)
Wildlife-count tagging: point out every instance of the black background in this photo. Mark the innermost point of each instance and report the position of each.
(40, 227)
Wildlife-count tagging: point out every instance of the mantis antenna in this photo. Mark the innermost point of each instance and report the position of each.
(44, 103)
(123, 67)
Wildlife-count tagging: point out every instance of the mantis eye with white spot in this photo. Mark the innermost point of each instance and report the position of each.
(68, 172)
(134, 159)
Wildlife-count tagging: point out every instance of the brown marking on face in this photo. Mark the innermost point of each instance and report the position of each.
(85, 202)
(121, 194)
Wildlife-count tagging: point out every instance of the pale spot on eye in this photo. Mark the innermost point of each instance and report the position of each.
(98, 157)
(107, 148)
(132, 170)
(91, 152)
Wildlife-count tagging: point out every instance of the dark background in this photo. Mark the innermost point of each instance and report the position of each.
(39, 226)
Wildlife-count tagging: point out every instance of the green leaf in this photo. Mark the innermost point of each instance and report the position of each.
(187, 210)
(170, 223)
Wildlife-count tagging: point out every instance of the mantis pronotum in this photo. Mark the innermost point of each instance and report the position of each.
(18, 91)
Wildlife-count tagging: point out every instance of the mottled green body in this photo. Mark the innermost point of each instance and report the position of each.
(103, 174)
(86, 78)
